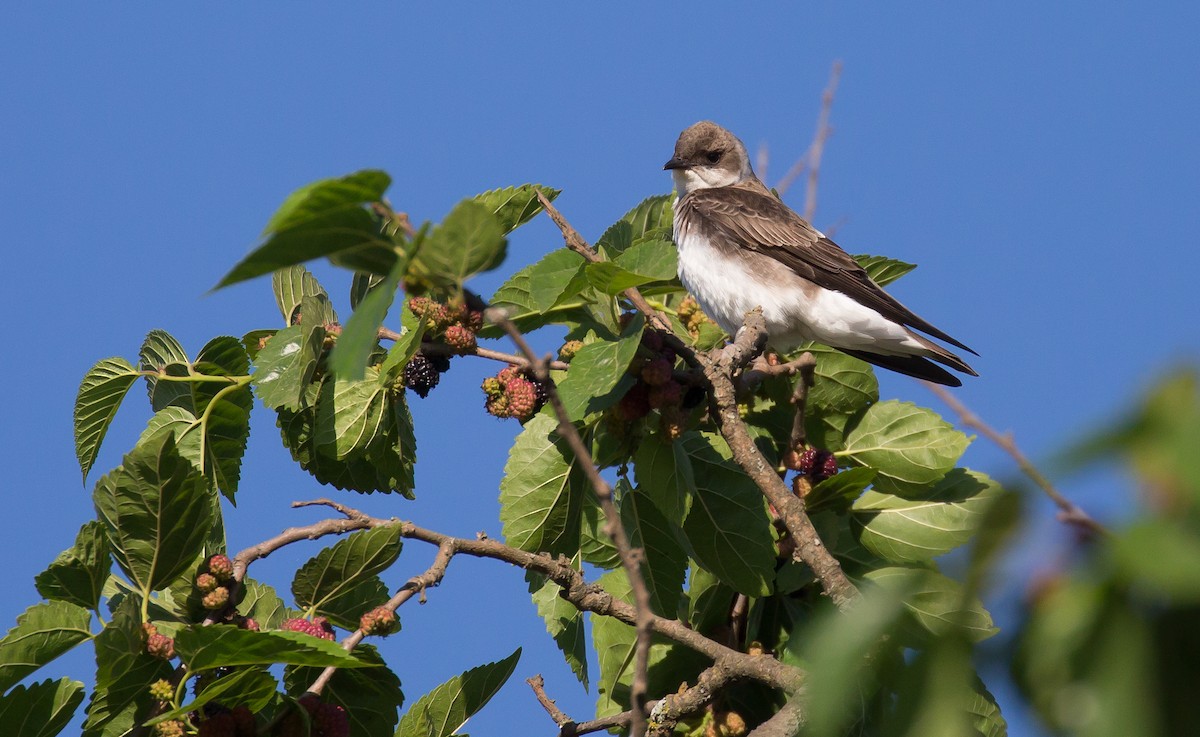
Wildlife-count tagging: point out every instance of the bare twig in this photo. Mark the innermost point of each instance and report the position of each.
(719, 367)
(1068, 511)
(630, 557)
(818, 144)
(806, 365)
(538, 684)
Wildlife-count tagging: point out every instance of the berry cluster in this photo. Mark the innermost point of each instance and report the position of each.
(657, 388)
(422, 373)
(160, 646)
(513, 392)
(170, 728)
(213, 584)
(162, 690)
(453, 322)
(236, 722)
(691, 316)
(816, 463)
(379, 621)
(324, 720)
(318, 627)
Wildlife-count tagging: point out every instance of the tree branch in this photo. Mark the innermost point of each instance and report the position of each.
(806, 366)
(1069, 512)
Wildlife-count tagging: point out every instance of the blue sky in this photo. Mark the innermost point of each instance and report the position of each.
(1037, 160)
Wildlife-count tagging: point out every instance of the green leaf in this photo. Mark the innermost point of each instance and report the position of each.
(360, 335)
(517, 295)
(350, 415)
(226, 646)
(883, 270)
(40, 709)
(541, 492)
(370, 696)
(563, 621)
(160, 350)
(252, 687)
(261, 603)
(224, 412)
(917, 530)
(100, 394)
(652, 215)
(664, 562)
(325, 218)
(839, 491)
(291, 285)
(1161, 554)
(78, 574)
(728, 529)
(121, 700)
(664, 474)
(642, 263)
(843, 387)
(558, 276)
(911, 447)
(469, 241)
(45, 631)
(286, 365)
(158, 512)
(709, 601)
(445, 709)
(341, 581)
(937, 603)
(614, 643)
(515, 206)
(597, 378)
(595, 546)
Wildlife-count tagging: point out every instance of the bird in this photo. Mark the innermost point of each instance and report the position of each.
(741, 247)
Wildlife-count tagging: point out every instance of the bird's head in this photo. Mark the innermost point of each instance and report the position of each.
(707, 155)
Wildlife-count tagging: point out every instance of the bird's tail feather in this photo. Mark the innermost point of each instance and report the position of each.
(915, 366)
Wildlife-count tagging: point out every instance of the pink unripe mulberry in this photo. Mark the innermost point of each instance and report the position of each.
(221, 567)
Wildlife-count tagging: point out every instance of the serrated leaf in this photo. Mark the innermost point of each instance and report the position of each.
(651, 215)
(515, 206)
(556, 277)
(541, 492)
(563, 621)
(516, 296)
(642, 263)
(664, 473)
(226, 646)
(445, 709)
(911, 447)
(121, 700)
(261, 603)
(43, 632)
(843, 387)
(839, 491)
(160, 350)
(469, 241)
(664, 562)
(350, 415)
(595, 545)
(100, 394)
(597, 378)
(916, 530)
(728, 529)
(40, 709)
(325, 218)
(252, 687)
(370, 696)
(157, 511)
(341, 581)
(291, 285)
(883, 270)
(286, 364)
(78, 574)
(412, 328)
(937, 603)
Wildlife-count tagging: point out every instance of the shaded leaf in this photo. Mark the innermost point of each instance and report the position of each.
(652, 215)
(470, 240)
(597, 378)
(100, 394)
(540, 495)
(78, 574)
(291, 285)
(225, 646)
(370, 696)
(121, 701)
(563, 621)
(40, 709)
(159, 351)
(251, 687)
(664, 562)
(937, 603)
(342, 580)
(839, 491)
(515, 206)
(445, 709)
(360, 334)
(664, 474)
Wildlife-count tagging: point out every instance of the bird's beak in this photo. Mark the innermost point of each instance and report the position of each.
(675, 163)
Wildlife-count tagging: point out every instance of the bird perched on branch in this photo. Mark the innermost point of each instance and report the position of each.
(740, 247)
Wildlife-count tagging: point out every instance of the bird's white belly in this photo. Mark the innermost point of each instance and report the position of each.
(794, 309)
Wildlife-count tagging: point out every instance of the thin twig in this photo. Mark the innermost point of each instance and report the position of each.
(630, 557)
(818, 144)
(1069, 512)
(806, 366)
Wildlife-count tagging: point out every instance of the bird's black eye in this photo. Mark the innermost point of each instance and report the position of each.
(713, 156)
